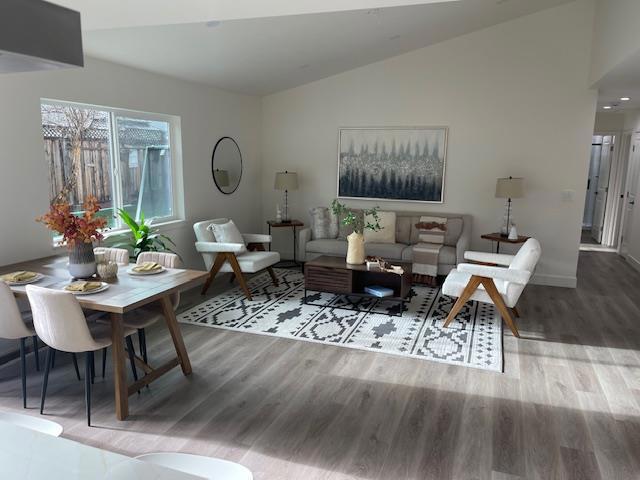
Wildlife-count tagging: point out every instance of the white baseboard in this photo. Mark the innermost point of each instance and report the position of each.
(634, 262)
(554, 280)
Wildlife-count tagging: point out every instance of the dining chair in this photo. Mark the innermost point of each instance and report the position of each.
(198, 465)
(110, 254)
(14, 327)
(61, 324)
(143, 318)
(32, 423)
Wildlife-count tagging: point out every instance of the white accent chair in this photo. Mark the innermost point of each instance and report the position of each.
(234, 258)
(61, 324)
(32, 423)
(116, 255)
(200, 466)
(14, 327)
(494, 278)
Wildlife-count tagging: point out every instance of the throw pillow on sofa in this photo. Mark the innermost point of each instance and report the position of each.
(387, 221)
(320, 221)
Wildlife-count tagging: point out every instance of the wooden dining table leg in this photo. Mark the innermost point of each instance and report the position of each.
(176, 334)
(119, 372)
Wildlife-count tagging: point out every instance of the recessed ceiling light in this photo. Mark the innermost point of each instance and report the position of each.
(213, 23)
(607, 107)
(625, 99)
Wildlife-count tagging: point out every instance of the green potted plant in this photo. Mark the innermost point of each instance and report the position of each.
(359, 222)
(143, 237)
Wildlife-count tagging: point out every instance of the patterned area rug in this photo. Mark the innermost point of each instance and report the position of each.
(474, 339)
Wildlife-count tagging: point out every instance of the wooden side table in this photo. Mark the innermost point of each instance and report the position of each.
(293, 224)
(498, 237)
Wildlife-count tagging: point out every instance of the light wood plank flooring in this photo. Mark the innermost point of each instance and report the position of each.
(567, 406)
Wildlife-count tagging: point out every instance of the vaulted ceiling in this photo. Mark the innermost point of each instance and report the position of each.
(258, 47)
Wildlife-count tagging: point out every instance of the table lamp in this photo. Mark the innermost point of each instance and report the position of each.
(509, 188)
(286, 181)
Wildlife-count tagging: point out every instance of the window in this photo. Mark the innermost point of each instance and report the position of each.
(126, 159)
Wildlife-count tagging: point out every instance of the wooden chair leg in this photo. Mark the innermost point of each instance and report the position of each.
(491, 289)
(232, 277)
(217, 265)
(231, 258)
(274, 278)
(515, 312)
(471, 287)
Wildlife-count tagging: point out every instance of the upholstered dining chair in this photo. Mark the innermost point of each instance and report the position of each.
(14, 327)
(116, 255)
(234, 258)
(493, 278)
(204, 467)
(61, 324)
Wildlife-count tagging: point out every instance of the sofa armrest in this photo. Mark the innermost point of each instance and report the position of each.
(304, 237)
(256, 238)
(216, 247)
(499, 273)
(464, 241)
(494, 258)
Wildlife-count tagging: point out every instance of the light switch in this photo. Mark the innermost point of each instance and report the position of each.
(568, 195)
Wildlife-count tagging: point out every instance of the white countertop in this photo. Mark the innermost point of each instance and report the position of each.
(29, 455)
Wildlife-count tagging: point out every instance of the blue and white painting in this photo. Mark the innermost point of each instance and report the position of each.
(392, 163)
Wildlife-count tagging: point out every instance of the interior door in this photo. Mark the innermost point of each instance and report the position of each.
(602, 188)
(594, 167)
(630, 194)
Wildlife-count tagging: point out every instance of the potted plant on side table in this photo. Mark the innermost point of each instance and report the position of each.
(358, 221)
(78, 233)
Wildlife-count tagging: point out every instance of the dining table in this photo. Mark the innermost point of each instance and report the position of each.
(125, 293)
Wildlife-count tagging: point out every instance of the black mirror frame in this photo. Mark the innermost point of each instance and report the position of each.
(213, 156)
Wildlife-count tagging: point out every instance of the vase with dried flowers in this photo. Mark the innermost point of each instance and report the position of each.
(78, 233)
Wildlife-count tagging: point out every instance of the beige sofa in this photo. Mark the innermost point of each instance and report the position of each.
(457, 241)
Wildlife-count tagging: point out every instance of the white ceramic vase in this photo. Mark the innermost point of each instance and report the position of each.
(355, 249)
(82, 261)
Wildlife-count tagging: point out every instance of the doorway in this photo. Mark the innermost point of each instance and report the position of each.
(627, 232)
(593, 221)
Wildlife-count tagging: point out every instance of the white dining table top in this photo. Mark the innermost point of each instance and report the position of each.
(29, 455)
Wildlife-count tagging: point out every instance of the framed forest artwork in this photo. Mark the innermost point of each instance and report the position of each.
(394, 163)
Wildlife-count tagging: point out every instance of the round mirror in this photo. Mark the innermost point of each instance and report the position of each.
(226, 165)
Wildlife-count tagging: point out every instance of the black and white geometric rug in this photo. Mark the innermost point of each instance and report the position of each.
(474, 339)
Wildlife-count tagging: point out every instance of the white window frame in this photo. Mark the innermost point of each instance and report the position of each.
(175, 148)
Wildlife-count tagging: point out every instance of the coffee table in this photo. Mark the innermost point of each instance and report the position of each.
(334, 275)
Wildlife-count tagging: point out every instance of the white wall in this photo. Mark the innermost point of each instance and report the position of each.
(206, 115)
(616, 35)
(515, 97)
(609, 122)
(632, 121)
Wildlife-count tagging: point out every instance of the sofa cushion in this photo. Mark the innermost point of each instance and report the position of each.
(447, 255)
(328, 246)
(454, 230)
(320, 222)
(391, 251)
(403, 229)
(386, 220)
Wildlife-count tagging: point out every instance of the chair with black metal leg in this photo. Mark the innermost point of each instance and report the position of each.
(14, 327)
(61, 324)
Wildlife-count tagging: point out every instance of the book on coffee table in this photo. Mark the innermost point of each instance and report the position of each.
(378, 291)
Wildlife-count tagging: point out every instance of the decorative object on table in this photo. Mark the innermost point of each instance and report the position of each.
(107, 270)
(278, 213)
(78, 233)
(293, 225)
(226, 165)
(143, 237)
(509, 188)
(513, 233)
(394, 163)
(475, 339)
(355, 249)
(379, 263)
(499, 238)
(426, 253)
(378, 291)
(286, 181)
(477, 281)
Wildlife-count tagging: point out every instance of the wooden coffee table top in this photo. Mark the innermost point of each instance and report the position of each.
(340, 263)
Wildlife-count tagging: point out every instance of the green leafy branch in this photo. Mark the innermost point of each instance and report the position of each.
(358, 222)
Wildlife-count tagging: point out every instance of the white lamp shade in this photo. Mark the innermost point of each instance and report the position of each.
(510, 187)
(286, 181)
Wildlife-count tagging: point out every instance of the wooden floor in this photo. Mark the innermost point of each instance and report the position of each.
(567, 406)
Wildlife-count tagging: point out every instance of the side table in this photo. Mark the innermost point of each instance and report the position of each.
(498, 237)
(293, 224)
